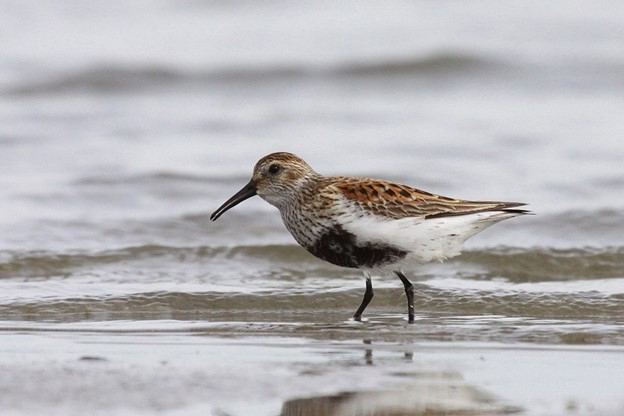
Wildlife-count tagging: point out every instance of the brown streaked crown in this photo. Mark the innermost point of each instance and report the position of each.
(280, 176)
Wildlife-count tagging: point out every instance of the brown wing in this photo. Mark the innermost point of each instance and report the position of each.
(400, 201)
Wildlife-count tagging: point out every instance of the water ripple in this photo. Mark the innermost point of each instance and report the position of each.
(114, 78)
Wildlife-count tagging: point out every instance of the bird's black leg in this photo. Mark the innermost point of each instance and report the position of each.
(368, 295)
(409, 291)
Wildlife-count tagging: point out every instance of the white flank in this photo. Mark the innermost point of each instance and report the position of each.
(426, 240)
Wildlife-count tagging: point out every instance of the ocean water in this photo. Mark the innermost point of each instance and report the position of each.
(123, 125)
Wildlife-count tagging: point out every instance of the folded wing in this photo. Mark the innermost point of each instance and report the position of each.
(400, 201)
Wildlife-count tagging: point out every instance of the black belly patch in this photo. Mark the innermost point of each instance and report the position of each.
(339, 247)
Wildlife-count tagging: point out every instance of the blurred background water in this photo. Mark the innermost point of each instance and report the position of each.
(123, 125)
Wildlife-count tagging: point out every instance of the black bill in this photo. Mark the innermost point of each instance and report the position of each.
(247, 192)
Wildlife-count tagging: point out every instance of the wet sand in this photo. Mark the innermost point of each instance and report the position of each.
(192, 368)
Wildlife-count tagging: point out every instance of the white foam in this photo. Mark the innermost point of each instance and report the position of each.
(606, 286)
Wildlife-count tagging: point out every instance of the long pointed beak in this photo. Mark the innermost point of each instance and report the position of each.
(247, 192)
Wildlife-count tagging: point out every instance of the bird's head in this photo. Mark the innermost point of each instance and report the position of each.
(277, 178)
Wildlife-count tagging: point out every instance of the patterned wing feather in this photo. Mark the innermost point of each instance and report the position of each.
(400, 201)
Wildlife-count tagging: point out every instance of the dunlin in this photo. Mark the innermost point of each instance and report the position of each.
(367, 224)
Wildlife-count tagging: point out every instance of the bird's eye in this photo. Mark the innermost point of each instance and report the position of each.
(274, 169)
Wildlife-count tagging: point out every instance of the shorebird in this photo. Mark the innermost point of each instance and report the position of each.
(367, 224)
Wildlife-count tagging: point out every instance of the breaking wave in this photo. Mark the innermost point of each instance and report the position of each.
(514, 264)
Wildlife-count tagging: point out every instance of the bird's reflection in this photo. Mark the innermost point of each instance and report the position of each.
(408, 354)
(423, 392)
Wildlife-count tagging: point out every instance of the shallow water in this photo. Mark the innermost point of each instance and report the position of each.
(122, 131)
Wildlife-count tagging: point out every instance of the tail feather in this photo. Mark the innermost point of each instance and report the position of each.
(508, 207)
